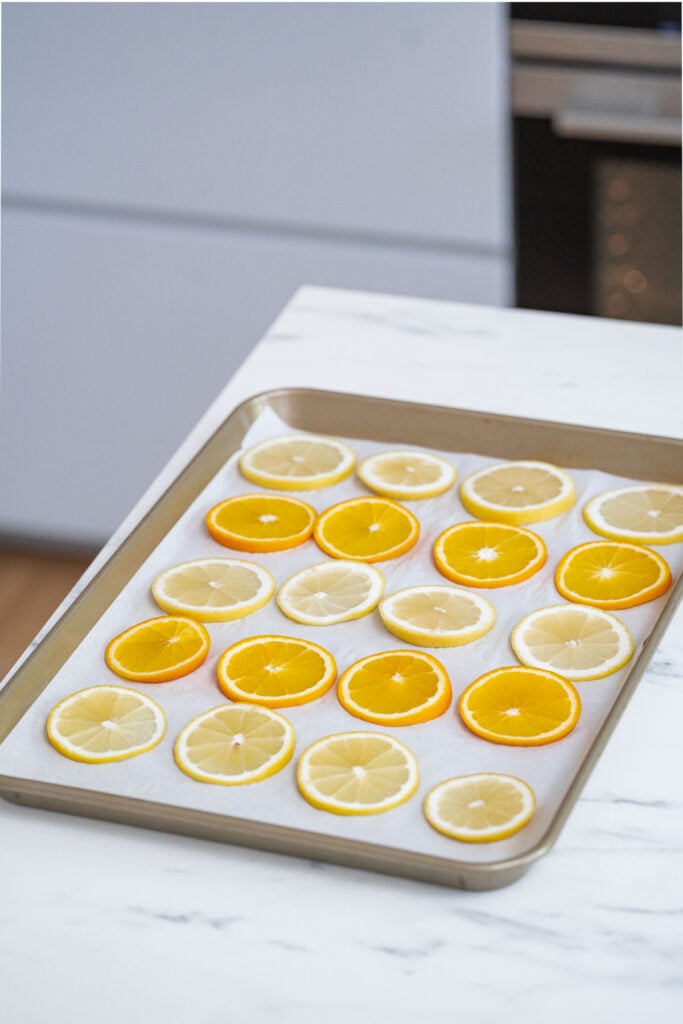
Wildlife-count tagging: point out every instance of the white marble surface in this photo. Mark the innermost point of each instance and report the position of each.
(105, 922)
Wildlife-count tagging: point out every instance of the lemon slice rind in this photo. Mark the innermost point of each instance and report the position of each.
(595, 518)
(269, 766)
(403, 465)
(313, 576)
(578, 637)
(293, 481)
(346, 778)
(76, 752)
(517, 515)
(401, 626)
(434, 810)
(258, 581)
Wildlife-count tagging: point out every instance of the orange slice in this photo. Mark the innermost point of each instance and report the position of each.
(488, 554)
(480, 808)
(518, 492)
(366, 529)
(642, 514)
(105, 723)
(395, 688)
(275, 671)
(261, 522)
(157, 650)
(357, 773)
(298, 462)
(612, 574)
(522, 707)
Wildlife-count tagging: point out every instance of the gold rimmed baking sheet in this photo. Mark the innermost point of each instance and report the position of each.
(149, 790)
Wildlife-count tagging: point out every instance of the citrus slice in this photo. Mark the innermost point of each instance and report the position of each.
(488, 554)
(480, 808)
(407, 475)
(578, 642)
(395, 688)
(261, 522)
(234, 744)
(331, 592)
(214, 589)
(644, 513)
(357, 773)
(157, 650)
(105, 723)
(437, 616)
(275, 671)
(297, 463)
(523, 707)
(612, 574)
(366, 529)
(518, 492)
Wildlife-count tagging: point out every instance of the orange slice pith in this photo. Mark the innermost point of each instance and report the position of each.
(275, 671)
(261, 522)
(612, 574)
(395, 688)
(158, 650)
(366, 529)
(521, 707)
(488, 554)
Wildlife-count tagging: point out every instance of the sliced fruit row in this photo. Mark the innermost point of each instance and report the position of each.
(349, 773)
(517, 493)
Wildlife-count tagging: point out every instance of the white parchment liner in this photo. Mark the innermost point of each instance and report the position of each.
(443, 747)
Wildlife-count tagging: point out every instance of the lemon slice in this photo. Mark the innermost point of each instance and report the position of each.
(518, 492)
(158, 650)
(488, 554)
(105, 723)
(357, 773)
(578, 642)
(407, 475)
(261, 522)
(612, 574)
(644, 513)
(276, 671)
(522, 707)
(234, 744)
(214, 589)
(395, 688)
(331, 592)
(437, 616)
(480, 808)
(366, 529)
(298, 462)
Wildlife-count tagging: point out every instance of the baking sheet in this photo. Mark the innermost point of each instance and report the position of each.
(444, 747)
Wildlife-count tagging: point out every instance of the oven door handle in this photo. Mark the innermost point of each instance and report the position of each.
(646, 129)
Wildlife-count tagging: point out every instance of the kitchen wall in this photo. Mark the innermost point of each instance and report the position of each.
(173, 172)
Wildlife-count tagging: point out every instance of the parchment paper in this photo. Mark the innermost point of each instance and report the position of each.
(443, 747)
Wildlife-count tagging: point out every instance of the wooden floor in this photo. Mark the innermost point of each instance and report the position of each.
(31, 587)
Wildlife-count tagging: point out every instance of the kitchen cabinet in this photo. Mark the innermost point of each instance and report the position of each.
(173, 172)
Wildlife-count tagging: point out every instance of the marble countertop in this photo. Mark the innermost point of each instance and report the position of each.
(109, 922)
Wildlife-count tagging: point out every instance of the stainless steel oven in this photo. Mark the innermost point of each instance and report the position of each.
(596, 98)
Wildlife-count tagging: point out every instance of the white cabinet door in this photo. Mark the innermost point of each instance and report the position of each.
(384, 120)
(117, 336)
